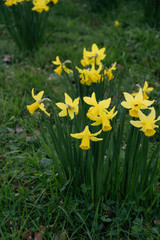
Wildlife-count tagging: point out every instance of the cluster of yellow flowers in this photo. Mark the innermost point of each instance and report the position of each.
(98, 112)
(135, 102)
(39, 5)
(95, 71)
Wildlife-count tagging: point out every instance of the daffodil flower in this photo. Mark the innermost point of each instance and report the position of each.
(135, 103)
(61, 66)
(9, 3)
(89, 76)
(40, 5)
(109, 73)
(103, 119)
(96, 108)
(71, 106)
(147, 123)
(55, 1)
(86, 136)
(93, 57)
(145, 90)
(38, 103)
(116, 23)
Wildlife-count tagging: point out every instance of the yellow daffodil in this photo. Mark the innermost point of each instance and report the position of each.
(86, 136)
(62, 66)
(38, 103)
(10, 2)
(55, 1)
(145, 90)
(109, 73)
(135, 103)
(103, 119)
(40, 5)
(97, 108)
(116, 23)
(147, 123)
(93, 57)
(71, 106)
(89, 76)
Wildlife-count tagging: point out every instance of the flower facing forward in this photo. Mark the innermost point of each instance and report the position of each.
(145, 90)
(135, 103)
(109, 73)
(38, 103)
(104, 119)
(86, 136)
(40, 5)
(97, 107)
(71, 106)
(94, 56)
(61, 66)
(146, 123)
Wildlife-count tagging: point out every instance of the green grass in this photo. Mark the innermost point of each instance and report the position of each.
(31, 199)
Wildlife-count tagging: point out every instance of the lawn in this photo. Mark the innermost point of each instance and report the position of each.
(34, 203)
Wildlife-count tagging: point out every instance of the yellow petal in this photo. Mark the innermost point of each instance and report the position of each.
(38, 96)
(95, 139)
(61, 105)
(126, 105)
(63, 113)
(129, 98)
(137, 124)
(57, 62)
(152, 114)
(77, 135)
(142, 117)
(105, 103)
(41, 106)
(68, 99)
(95, 134)
(76, 101)
(91, 100)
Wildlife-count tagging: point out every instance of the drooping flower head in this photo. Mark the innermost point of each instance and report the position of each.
(86, 136)
(145, 90)
(109, 73)
(61, 66)
(103, 118)
(38, 103)
(89, 76)
(70, 106)
(135, 103)
(146, 123)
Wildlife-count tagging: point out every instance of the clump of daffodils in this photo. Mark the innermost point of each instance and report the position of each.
(93, 71)
(38, 5)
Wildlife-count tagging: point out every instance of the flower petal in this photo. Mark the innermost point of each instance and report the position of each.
(136, 123)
